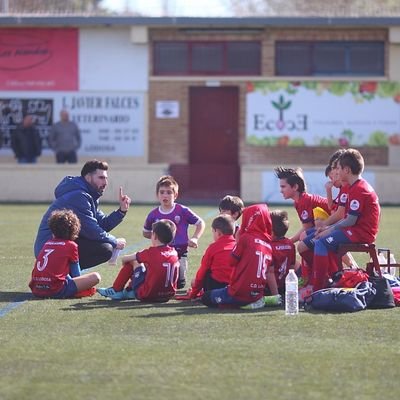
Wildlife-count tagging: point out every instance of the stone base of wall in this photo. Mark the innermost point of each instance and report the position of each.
(36, 182)
(386, 181)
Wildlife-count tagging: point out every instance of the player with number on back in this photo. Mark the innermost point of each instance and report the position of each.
(57, 272)
(149, 275)
(250, 260)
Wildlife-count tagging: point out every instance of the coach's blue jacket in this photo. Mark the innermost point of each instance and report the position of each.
(75, 194)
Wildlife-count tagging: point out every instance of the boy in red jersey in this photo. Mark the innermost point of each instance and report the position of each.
(283, 249)
(337, 210)
(57, 273)
(250, 260)
(215, 269)
(152, 273)
(360, 224)
(233, 206)
(293, 186)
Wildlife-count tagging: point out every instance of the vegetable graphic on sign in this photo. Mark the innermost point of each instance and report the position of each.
(281, 106)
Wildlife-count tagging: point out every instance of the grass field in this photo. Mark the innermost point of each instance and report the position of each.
(94, 348)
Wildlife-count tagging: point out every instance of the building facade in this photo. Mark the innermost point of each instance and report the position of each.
(217, 102)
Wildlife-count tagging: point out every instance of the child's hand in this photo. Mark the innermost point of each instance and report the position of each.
(329, 185)
(193, 242)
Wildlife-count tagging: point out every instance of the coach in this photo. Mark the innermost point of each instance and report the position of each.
(81, 194)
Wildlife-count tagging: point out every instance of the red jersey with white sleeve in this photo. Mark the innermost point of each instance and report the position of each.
(162, 269)
(305, 205)
(341, 198)
(217, 260)
(252, 255)
(52, 266)
(363, 202)
(283, 257)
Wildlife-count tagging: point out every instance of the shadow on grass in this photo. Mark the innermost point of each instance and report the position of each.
(15, 297)
(176, 307)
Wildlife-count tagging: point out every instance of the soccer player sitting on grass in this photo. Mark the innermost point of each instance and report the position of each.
(149, 275)
(167, 192)
(57, 273)
(250, 260)
(359, 226)
(215, 269)
(283, 250)
(233, 206)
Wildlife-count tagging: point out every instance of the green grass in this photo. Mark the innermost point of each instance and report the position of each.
(94, 348)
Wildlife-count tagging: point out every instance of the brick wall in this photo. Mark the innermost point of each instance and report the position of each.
(169, 138)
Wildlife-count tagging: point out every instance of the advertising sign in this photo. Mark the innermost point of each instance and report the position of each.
(38, 59)
(323, 113)
(111, 124)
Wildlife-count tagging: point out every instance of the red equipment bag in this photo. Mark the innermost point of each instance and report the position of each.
(349, 278)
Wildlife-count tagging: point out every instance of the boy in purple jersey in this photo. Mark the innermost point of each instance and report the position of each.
(167, 191)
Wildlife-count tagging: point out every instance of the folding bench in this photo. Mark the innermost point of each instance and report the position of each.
(373, 267)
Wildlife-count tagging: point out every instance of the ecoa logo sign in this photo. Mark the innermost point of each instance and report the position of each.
(262, 122)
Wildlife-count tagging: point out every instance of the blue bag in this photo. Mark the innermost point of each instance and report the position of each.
(341, 299)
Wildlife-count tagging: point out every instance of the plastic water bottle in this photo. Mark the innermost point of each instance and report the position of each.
(382, 259)
(392, 260)
(292, 293)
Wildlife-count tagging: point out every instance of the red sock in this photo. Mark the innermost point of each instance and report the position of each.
(306, 264)
(123, 277)
(324, 268)
(320, 272)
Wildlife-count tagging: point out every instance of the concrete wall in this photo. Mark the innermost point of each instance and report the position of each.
(386, 182)
(36, 182)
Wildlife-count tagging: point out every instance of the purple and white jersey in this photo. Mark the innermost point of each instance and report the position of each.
(182, 217)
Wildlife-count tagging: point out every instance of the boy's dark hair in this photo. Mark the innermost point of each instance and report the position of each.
(293, 176)
(280, 223)
(335, 157)
(234, 204)
(224, 223)
(328, 170)
(168, 180)
(64, 224)
(165, 230)
(92, 165)
(353, 159)
(332, 163)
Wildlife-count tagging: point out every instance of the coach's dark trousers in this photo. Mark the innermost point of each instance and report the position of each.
(92, 253)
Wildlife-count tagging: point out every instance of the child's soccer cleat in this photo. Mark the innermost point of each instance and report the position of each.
(111, 293)
(260, 303)
(128, 294)
(273, 301)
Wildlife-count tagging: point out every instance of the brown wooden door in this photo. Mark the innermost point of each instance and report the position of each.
(213, 149)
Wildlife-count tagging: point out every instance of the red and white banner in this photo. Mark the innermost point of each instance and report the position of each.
(39, 59)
